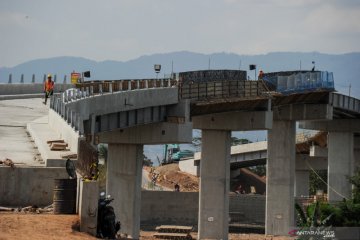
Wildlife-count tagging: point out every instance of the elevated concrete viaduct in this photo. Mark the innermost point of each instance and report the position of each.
(220, 102)
(126, 121)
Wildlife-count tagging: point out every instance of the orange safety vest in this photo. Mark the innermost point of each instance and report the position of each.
(49, 85)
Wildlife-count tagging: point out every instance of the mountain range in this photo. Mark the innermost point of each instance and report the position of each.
(346, 67)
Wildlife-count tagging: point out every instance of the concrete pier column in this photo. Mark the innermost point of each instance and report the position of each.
(340, 164)
(302, 183)
(357, 153)
(279, 219)
(123, 182)
(214, 185)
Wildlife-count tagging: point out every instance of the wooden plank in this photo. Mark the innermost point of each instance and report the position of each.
(59, 144)
(174, 227)
(55, 141)
(172, 235)
(70, 155)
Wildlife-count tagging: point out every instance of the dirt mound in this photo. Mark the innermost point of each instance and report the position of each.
(170, 174)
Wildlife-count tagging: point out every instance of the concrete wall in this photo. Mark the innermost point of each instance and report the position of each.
(191, 166)
(24, 186)
(162, 207)
(58, 124)
(247, 209)
(29, 88)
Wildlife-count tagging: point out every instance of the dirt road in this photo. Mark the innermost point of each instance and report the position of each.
(31, 226)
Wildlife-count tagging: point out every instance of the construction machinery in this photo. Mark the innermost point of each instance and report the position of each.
(173, 153)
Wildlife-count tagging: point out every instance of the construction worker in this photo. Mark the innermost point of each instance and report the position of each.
(261, 74)
(48, 87)
(177, 188)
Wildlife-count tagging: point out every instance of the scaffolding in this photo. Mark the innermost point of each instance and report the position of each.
(300, 81)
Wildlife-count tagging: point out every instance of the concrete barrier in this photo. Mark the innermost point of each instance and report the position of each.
(29, 88)
(24, 186)
(191, 166)
(66, 132)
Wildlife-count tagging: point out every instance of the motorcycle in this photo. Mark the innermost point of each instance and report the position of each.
(106, 226)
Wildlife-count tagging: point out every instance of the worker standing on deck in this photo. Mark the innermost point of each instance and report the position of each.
(261, 74)
(48, 87)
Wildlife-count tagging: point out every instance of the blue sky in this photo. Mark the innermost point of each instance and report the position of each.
(127, 29)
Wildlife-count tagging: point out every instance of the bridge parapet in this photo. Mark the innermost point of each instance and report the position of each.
(101, 87)
(109, 98)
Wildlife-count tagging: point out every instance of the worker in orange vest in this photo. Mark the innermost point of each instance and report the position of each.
(48, 87)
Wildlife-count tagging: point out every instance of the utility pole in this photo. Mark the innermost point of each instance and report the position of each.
(349, 89)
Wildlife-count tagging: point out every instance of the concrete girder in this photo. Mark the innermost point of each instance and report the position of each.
(156, 133)
(335, 125)
(124, 101)
(305, 163)
(295, 112)
(234, 121)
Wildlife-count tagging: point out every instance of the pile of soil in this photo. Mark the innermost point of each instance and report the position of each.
(170, 174)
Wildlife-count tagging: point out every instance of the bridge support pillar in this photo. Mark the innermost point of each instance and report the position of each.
(279, 219)
(124, 173)
(214, 185)
(302, 183)
(340, 164)
(357, 153)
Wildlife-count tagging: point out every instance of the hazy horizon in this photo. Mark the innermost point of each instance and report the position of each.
(125, 30)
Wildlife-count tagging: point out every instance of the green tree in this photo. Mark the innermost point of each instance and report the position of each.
(318, 180)
(147, 161)
(238, 141)
(343, 214)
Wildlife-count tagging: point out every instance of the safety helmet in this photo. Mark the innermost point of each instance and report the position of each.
(49, 75)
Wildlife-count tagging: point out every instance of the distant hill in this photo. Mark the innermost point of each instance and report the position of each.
(346, 67)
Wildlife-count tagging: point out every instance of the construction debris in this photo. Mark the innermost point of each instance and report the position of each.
(55, 146)
(29, 209)
(70, 155)
(7, 162)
